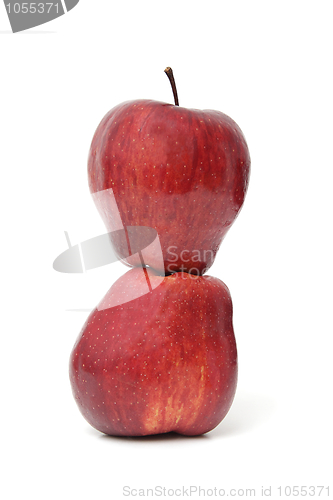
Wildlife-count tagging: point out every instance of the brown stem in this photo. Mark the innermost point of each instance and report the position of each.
(169, 73)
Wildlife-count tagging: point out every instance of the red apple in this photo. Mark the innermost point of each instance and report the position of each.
(165, 361)
(183, 172)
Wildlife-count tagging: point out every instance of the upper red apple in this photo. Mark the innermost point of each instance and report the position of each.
(165, 361)
(183, 172)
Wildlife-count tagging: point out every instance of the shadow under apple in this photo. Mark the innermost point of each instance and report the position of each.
(247, 412)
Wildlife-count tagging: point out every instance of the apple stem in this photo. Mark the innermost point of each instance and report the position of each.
(169, 74)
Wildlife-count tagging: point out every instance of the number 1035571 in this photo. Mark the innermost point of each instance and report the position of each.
(32, 8)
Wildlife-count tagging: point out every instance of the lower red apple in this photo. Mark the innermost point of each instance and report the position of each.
(164, 361)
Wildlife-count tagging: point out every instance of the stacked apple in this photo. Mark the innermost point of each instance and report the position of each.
(167, 359)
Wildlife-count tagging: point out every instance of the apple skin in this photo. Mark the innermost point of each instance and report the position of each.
(166, 361)
(183, 172)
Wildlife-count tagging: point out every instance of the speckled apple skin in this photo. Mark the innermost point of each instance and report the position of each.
(183, 172)
(166, 361)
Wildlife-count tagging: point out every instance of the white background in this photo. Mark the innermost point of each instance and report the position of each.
(269, 66)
